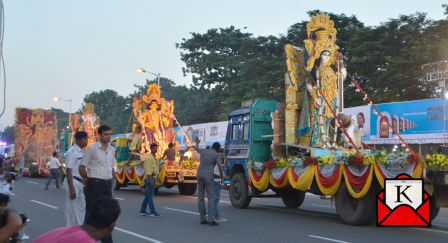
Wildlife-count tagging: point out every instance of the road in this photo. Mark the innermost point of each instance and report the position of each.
(266, 219)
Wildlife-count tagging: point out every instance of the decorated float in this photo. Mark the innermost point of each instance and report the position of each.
(309, 145)
(155, 122)
(36, 140)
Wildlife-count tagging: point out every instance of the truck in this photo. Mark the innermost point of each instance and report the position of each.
(269, 145)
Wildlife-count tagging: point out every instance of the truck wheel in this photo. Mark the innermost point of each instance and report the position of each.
(353, 211)
(117, 185)
(293, 198)
(239, 192)
(434, 209)
(187, 188)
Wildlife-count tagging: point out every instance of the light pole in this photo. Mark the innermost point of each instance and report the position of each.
(142, 70)
(70, 109)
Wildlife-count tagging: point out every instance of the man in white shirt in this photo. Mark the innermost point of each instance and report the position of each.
(97, 167)
(55, 164)
(75, 202)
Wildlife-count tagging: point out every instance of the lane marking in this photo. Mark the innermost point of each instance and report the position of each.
(180, 210)
(433, 230)
(329, 239)
(44, 204)
(119, 198)
(138, 235)
(321, 205)
(32, 182)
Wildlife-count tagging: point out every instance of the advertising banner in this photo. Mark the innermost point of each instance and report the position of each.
(418, 122)
(207, 133)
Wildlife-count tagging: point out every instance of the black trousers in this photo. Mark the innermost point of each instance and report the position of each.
(96, 188)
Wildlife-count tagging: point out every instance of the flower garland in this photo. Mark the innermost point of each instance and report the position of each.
(437, 161)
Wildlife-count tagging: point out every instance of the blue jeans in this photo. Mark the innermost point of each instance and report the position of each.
(54, 174)
(148, 200)
(216, 199)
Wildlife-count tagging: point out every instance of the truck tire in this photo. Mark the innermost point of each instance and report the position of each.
(239, 193)
(353, 211)
(434, 209)
(117, 184)
(187, 189)
(293, 198)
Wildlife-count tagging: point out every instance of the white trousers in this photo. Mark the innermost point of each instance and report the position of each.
(74, 209)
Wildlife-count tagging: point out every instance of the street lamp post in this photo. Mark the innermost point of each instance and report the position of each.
(70, 109)
(142, 70)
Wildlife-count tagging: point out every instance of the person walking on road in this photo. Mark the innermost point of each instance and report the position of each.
(151, 167)
(97, 169)
(55, 165)
(75, 202)
(209, 158)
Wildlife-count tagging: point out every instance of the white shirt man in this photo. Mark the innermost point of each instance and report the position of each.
(55, 163)
(99, 162)
(75, 209)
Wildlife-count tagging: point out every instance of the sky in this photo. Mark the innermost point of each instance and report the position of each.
(73, 47)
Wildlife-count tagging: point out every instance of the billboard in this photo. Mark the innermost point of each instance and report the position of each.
(418, 121)
(207, 133)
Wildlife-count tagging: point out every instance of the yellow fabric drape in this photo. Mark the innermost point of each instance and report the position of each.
(285, 182)
(327, 191)
(304, 181)
(263, 183)
(366, 187)
(418, 173)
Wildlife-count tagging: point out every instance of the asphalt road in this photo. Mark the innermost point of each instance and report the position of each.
(266, 219)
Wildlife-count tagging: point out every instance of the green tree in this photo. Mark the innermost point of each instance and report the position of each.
(235, 66)
(113, 109)
(9, 134)
(387, 60)
(61, 118)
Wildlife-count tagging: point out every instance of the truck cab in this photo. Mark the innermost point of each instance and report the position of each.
(249, 138)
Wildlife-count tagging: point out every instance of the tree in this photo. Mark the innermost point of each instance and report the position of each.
(113, 109)
(387, 59)
(9, 134)
(61, 118)
(235, 66)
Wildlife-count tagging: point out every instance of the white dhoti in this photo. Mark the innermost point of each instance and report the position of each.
(74, 209)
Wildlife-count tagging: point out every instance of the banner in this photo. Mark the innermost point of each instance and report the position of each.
(207, 133)
(418, 122)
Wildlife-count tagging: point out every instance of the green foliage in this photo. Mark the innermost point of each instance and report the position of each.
(235, 66)
(113, 109)
(61, 118)
(230, 65)
(9, 134)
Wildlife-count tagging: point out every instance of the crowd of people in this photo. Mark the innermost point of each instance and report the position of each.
(90, 210)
